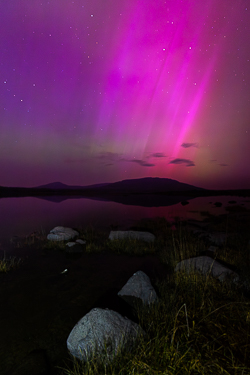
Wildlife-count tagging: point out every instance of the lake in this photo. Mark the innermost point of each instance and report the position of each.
(23, 216)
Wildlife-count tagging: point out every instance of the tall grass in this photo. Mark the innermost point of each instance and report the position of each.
(199, 325)
(7, 264)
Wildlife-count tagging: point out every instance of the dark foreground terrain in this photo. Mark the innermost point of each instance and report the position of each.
(40, 305)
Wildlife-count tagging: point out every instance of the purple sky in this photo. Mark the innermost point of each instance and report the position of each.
(100, 91)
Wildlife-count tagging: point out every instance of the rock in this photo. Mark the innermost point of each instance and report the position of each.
(138, 289)
(103, 333)
(62, 234)
(81, 242)
(131, 234)
(205, 264)
(65, 272)
(70, 244)
(74, 247)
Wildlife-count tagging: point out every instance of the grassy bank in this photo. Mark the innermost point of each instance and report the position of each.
(200, 325)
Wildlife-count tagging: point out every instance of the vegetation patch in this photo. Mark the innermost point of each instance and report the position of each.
(131, 246)
(7, 264)
(200, 325)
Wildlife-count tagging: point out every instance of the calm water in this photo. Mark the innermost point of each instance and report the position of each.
(23, 216)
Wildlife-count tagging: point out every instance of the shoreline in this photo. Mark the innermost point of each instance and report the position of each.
(98, 193)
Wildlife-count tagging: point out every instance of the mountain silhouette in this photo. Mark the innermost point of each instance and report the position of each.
(59, 186)
(148, 192)
(149, 185)
(142, 185)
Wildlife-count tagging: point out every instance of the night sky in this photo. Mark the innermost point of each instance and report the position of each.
(104, 90)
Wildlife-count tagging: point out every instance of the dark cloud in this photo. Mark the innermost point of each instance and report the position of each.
(189, 163)
(187, 145)
(158, 155)
(141, 162)
(220, 164)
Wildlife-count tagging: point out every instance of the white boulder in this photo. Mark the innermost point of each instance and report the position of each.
(138, 287)
(62, 234)
(205, 264)
(102, 333)
(75, 247)
(81, 242)
(131, 234)
(70, 244)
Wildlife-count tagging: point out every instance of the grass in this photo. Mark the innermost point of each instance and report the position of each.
(7, 264)
(199, 325)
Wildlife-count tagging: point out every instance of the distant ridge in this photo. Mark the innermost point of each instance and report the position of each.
(150, 184)
(147, 191)
(143, 185)
(60, 185)
(53, 185)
